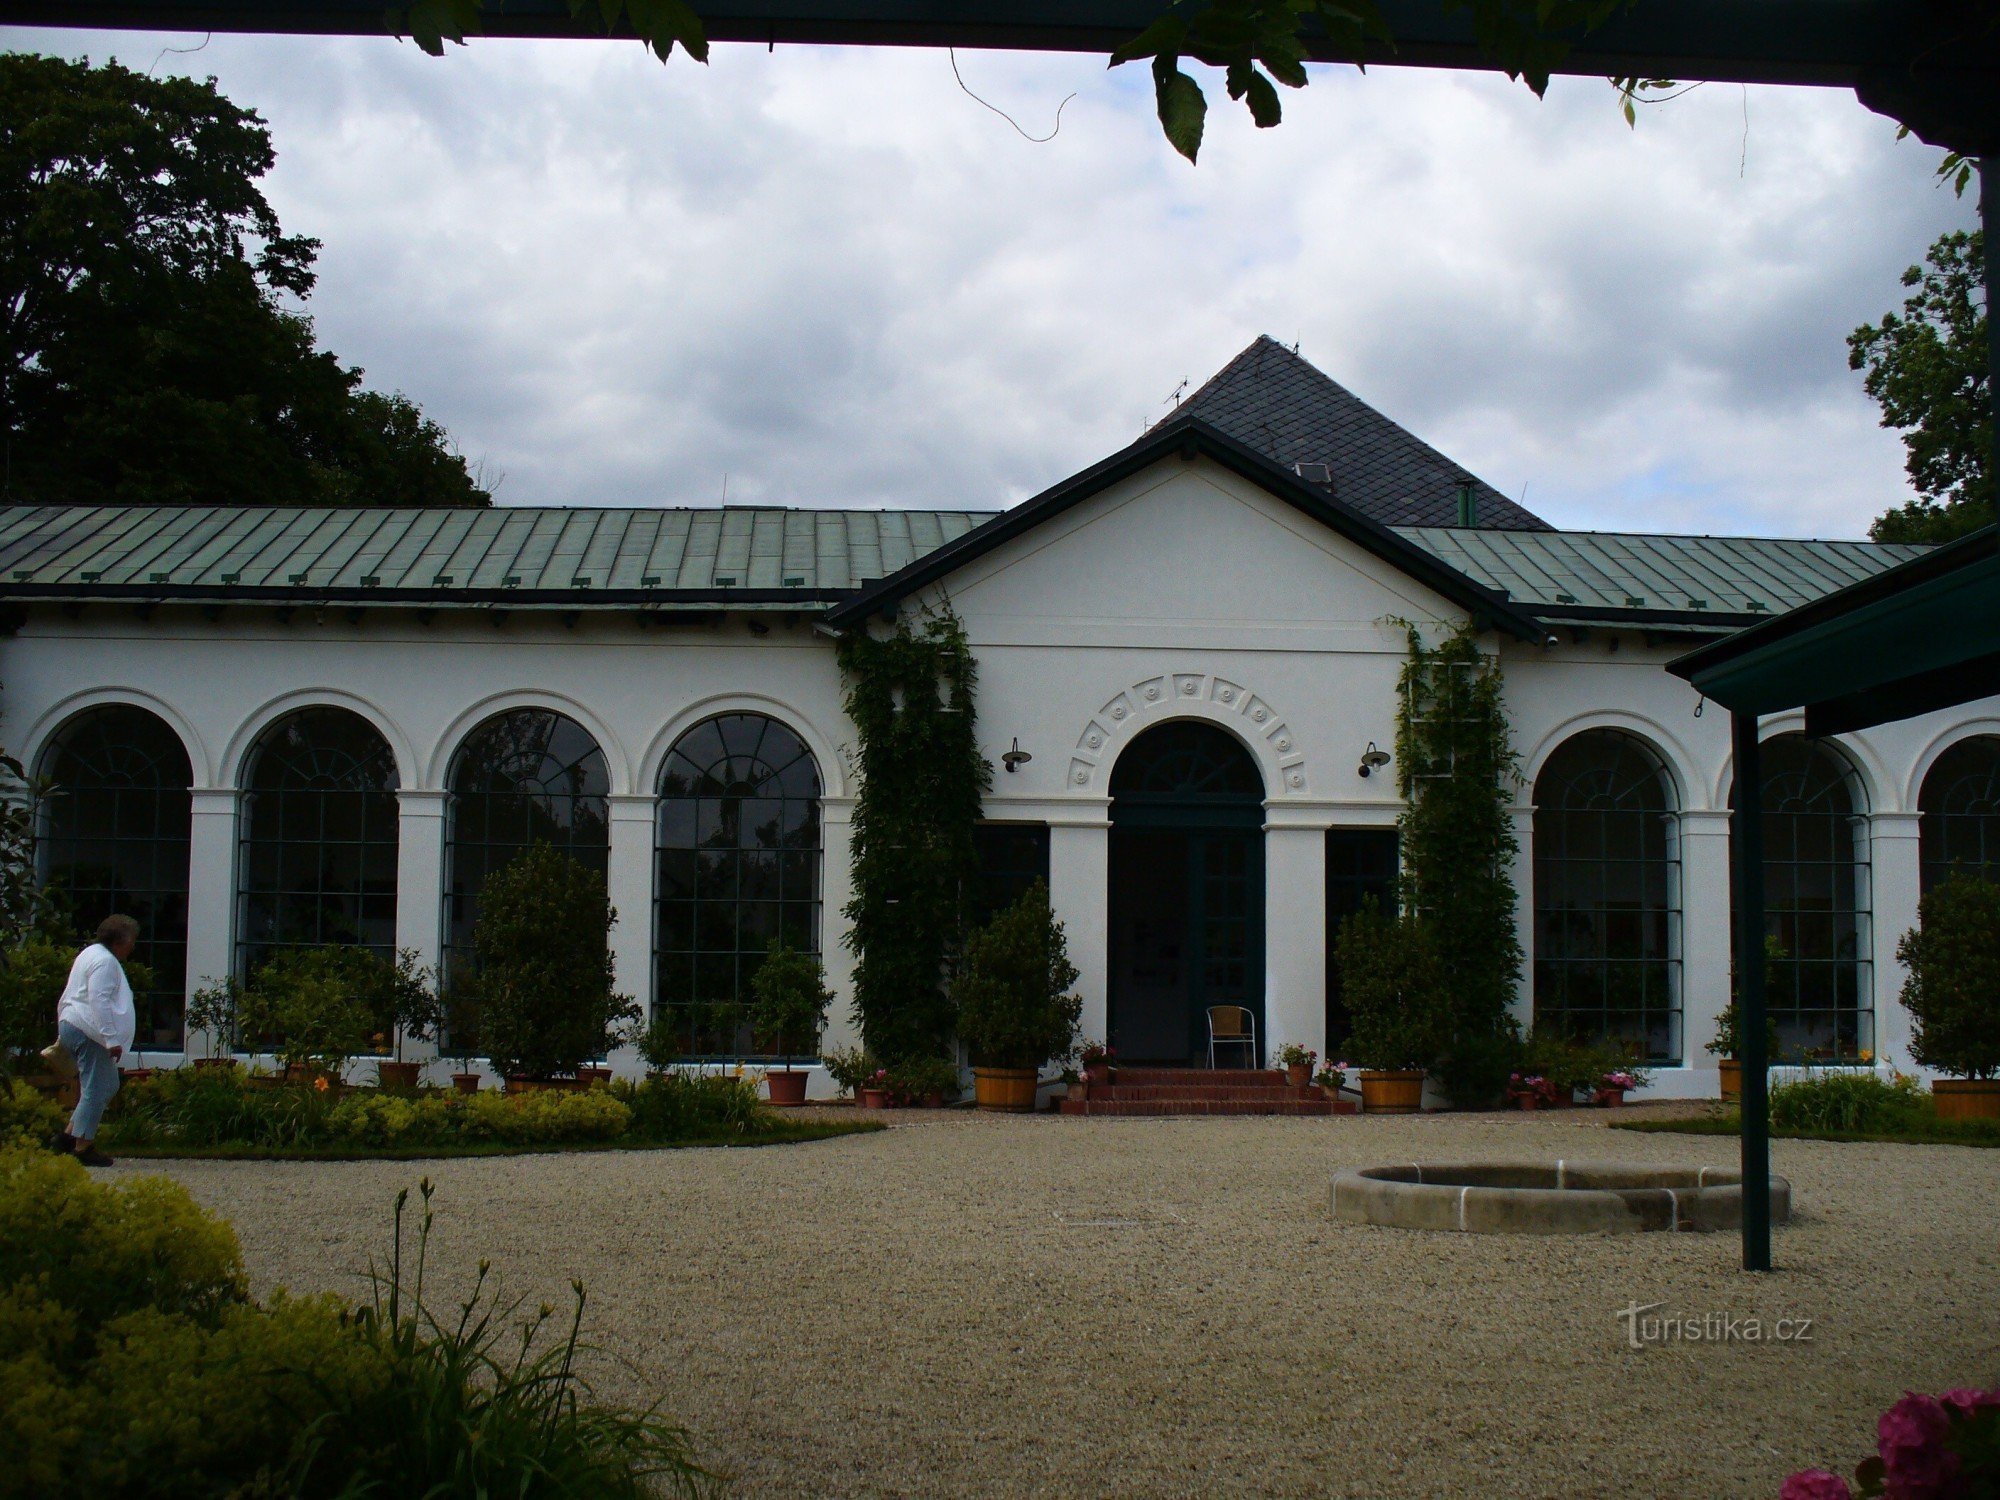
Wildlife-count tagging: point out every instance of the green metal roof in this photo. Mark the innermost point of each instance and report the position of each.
(1717, 582)
(586, 556)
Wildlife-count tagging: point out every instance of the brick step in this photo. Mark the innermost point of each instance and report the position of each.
(1211, 1076)
(1172, 1107)
(1117, 1091)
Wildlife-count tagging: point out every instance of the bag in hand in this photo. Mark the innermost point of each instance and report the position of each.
(57, 1056)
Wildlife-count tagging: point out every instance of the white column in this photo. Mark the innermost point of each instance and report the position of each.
(1705, 944)
(1080, 896)
(211, 914)
(1894, 877)
(836, 885)
(1294, 938)
(1523, 876)
(420, 888)
(629, 880)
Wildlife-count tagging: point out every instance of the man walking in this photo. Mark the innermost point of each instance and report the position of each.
(94, 1023)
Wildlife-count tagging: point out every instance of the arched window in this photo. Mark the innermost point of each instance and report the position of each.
(1607, 896)
(114, 838)
(739, 866)
(526, 776)
(1815, 902)
(1960, 802)
(319, 837)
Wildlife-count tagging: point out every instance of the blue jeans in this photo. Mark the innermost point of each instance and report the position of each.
(96, 1076)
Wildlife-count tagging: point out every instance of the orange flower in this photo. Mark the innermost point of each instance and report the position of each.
(321, 1083)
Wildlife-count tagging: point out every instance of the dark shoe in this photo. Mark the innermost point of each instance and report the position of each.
(93, 1158)
(62, 1143)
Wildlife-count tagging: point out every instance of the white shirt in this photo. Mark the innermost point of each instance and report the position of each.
(97, 1001)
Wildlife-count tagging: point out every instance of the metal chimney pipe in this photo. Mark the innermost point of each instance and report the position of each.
(1468, 507)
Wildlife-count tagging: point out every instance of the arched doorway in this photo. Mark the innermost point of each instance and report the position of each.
(1187, 891)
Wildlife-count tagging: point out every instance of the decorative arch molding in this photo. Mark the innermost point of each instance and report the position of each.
(1862, 763)
(43, 731)
(242, 744)
(1933, 752)
(616, 763)
(832, 765)
(1189, 695)
(1666, 748)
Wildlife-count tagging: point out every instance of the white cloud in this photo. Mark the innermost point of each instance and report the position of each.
(834, 278)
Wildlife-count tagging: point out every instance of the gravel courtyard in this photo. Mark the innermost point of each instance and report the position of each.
(973, 1304)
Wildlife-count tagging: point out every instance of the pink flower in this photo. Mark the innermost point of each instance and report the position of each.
(1915, 1462)
(1815, 1484)
(1965, 1401)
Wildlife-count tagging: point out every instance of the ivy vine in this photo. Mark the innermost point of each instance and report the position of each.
(1456, 769)
(910, 694)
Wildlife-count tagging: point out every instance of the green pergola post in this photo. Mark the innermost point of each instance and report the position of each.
(1746, 876)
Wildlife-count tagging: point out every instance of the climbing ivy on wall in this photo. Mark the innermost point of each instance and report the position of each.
(1457, 772)
(910, 695)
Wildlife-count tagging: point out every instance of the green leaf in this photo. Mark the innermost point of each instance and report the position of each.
(1182, 107)
(1264, 106)
(1163, 38)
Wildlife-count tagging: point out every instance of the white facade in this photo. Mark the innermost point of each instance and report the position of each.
(1183, 591)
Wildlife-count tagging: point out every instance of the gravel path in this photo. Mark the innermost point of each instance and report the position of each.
(999, 1305)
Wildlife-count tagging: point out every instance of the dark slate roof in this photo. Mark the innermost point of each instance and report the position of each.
(1269, 399)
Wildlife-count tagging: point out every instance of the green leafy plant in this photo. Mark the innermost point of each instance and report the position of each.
(1013, 988)
(1953, 988)
(911, 694)
(694, 1106)
(790, 1000)
(315, 1006)
(542, 966)
(31, 983)
(1395, 989)
(1728, 1039)
(850, 1067)
(1849, 1100)
(26, 1117)
(915, 1079)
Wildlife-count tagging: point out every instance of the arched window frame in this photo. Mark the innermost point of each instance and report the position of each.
(1798, 962)
(1960, 806)
(565, 801)
(151, 816)
(1638, 942)
(295, 781)
(701, 843)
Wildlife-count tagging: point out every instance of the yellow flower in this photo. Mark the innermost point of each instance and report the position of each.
(1867, 1056)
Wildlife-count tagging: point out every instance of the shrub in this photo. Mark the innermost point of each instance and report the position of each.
(918, 1078)
(543, 967)
(790, 999)
(217, 1106)
(325, 1004)
(1475, 1067)
(31, 983)
(1953, 992)
(850, 1067)
(26, 1118)
(1848, 1101)
(1395, 989)
(677, 1106)
(1015, 1005)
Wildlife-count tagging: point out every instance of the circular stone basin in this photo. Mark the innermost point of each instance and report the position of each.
(1563, 1197)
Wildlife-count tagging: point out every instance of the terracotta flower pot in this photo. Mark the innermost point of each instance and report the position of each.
(465, 1083)
(1387, 1091)
(136, 1075)
(1732, 1078)
(1097, 1072)
(874, 1098)
(787, 1087)
(1966, 1098)
(400, 1076)
(1009, 1089)
(934, 1099)
(1611, 1098)
(1298, 1075)
(1528, 1099)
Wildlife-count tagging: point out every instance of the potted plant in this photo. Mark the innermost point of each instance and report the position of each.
(406, 1000)
(316, 1008)
(459, 1034)
(1298, 1063)
(875, 1092)
(542, 966)
(213, 1008)
(1531, 1090)
(1096, 1059)
(1016, 1007)
(1399, 1005)
(850, 1068)
(1953, 995)
(1728, 1043)
(788, 1005)
(923, 1081)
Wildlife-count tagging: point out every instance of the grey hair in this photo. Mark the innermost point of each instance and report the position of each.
(117, 929)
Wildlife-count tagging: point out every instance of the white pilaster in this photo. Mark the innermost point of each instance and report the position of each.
(1080, 897)
(211, 915)
(629, 881)
(1294, 939)
(420, 874)
(1894, 867)
(1523, 875)
(836, 884)
(1705, 941)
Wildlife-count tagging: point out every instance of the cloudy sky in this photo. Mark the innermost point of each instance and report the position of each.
(830, 277)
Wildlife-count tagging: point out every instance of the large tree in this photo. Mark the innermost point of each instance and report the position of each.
(152, 349)
(1928, 371)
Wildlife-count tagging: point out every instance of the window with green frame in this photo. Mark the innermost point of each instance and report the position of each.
(1960, 803)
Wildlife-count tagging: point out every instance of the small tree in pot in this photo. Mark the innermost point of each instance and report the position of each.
(1016, 1008)
(1399, 1002)
(1953, 994)
(406, 999)
(542, 967)
(789, 1004)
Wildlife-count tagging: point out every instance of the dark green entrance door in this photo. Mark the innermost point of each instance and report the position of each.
(1187, 893)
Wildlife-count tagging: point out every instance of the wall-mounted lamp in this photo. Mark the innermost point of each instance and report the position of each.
(1015, 758)
(1372, 760)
